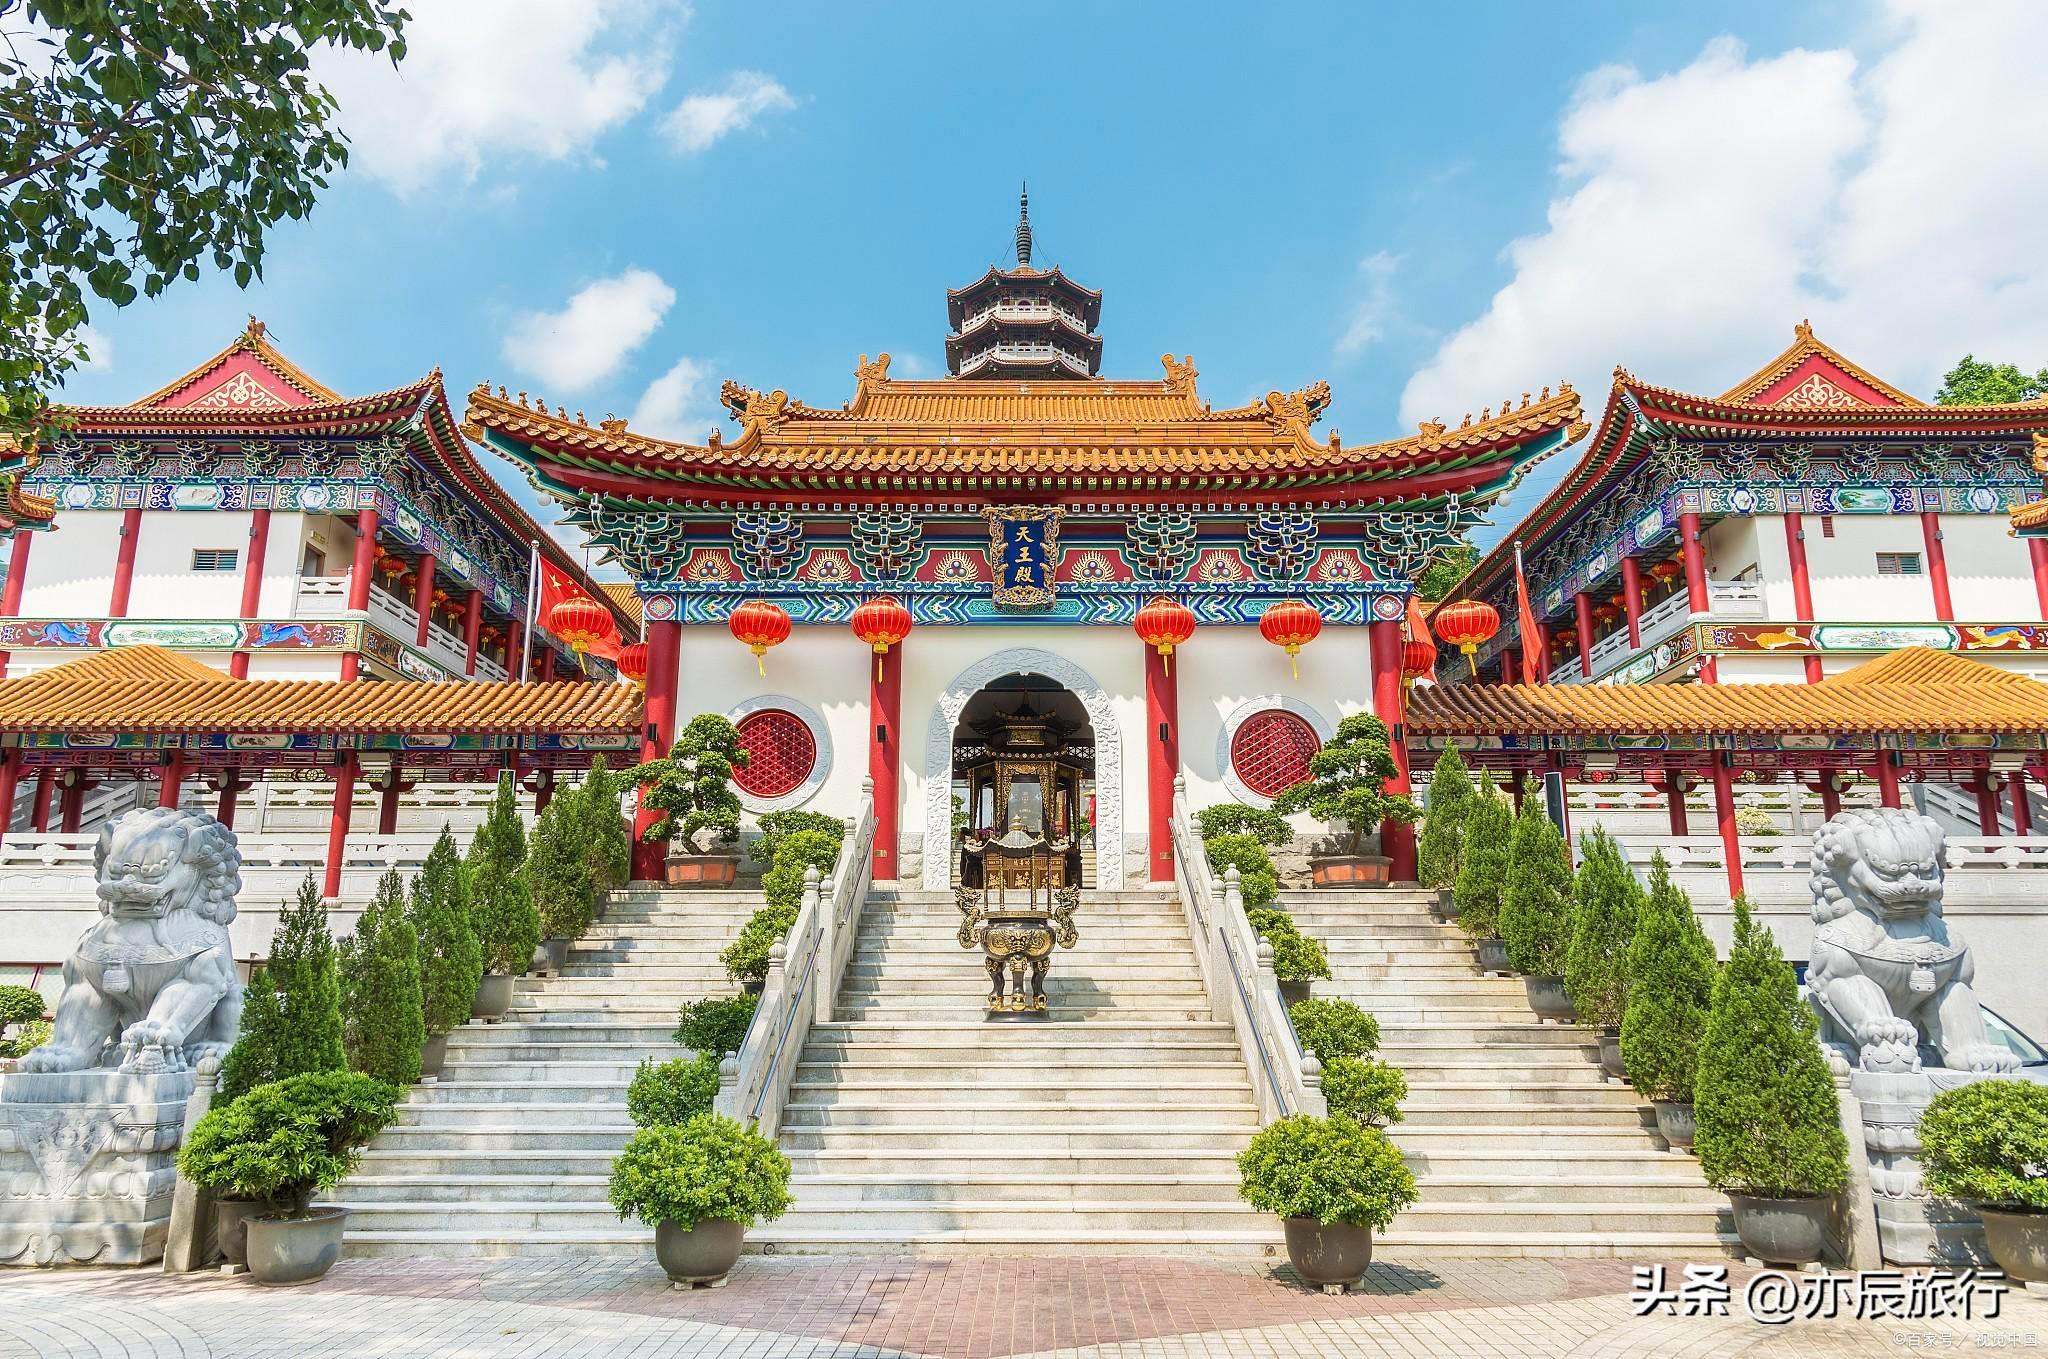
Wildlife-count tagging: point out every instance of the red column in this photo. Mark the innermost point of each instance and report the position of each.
(543, 790)
(172, 780)
(2037, 553)
(359, 570)
(17, 577)
(1582, 606)
(46, 787)
(1397, 838)
(1724, 816)
(1802, 584)
(1674, 800)
(423, 597)
(124, 563)
(472, 626)
(1887, 779)
(387, 806)
(515, 655)
(337, 823)
(1830, 797)
(1632, 599)
(658, 732)
(2015, 782)
(885, 757)
(1542, 654)
(1937, 566)
(252, 580)
(1985, 785)
(10, 778)
(1162, 759)
(1695, 562)
(231, 786)
(71, 803)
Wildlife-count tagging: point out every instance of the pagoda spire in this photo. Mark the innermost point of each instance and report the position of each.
(1024, 225)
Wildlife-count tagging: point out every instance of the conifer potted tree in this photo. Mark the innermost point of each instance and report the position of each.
(1536, 908)
(1606, 899)
(561, 874)
(276, 1146)
(1440, 850)
(1769, 1131)
(1333, 1182)
(451, 959)
(1482, 873)
(691, 788)
(700, 1185)
(500, 905)
(1986, 1144)
(606, 835)
(1670, 996)
(383, 1024)
(1346, 791)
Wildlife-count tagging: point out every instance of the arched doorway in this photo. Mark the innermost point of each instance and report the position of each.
(1057, 682)
(1024, 763)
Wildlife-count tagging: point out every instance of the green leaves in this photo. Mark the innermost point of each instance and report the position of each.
(451, 958)
(1347, 780)
(500, 902)
(1987, 1143)
(691, 785)
(1974, 383)
(1258, 882)
(291, 1012)
(1483, 873)
(1607, 901)
(1536, 902)
(1343, 1038)
(1267, 827)
(1296, 956)
(710, 1168)
(1671, 972)
(673, 1092)
(284, 1141)
(384, 1023)
(1440, 851)
(1335, 1170)
(717, 1024)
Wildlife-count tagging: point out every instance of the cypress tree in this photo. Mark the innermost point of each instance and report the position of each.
(291, 1019)
(385, 1025)
(1607, 899)
(559, 870)
(1671, 971)
(1536, 903)
(500, 904)
(1484, 867)
(1439, 852)
(451, 959)
(609, 839)
(1768, 1119)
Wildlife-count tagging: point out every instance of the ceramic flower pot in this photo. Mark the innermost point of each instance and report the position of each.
(1782, 1231)
(701, 870)
(555, 952)
(1351, 870)
(291, 1250)
(1328, 1256)
(2018, 1241)
(231, 1227)
(1610, 1053)
(701, 1254)
(1675, 1122)
(1547, 997)
(1443, 907)
(433, 1056)
(493, 997)
(1294, 993)
(1493, 956)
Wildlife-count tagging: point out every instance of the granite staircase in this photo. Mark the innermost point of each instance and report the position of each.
(510, 1152)
(915, 1125)
(1518, 1145)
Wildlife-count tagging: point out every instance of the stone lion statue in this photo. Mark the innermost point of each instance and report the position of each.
(1887, 973)
(152, 987)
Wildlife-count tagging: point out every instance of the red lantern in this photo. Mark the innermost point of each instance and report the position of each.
(1290, 624)
(881, 623)
(1667, 570)
(582, 622)
(759, 625)
(1418, 659)
(633, 663)
(1465, 625)
(1163, 625)
(1606, 613)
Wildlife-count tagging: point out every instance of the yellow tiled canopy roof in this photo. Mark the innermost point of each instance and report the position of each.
(1914, 690)
(146, 690)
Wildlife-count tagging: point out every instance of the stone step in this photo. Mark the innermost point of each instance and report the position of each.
(535, 1091)
(1099, 1111)
(942, 1072)
(909, 1219)
(1054, 1033)
(1423, 1112)
(979, 1058)
(474, 1136)
(914, 1142)
(1057, 1091)
(969, 1011)
(1511, 1138)
(1074, 1183)
(528, 1041)
(1061, 986)
(653, 974)
(619, 1239)
(534, 1115)
(1573, 1074)
(532, 1074)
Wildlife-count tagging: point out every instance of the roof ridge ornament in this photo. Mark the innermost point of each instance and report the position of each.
(1180, 376)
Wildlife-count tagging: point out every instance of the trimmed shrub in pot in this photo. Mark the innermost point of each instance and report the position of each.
(778, 826)
(1344, 1038)
(1606, 899)
(500, 904)
(602, 829)
(280, 1144)
(1671, 993)
(291, 1012)
(1262, 824)
(1333, 1182)
(1440, 849)
(21, 1012)
(561, 876)
(700, 1186)
(692, 789)
(1258, 882)
(384, 1025)
(673, 1092)
(1769, 1132)
(1298, 960)
(451, 959)
(1536, 908)
(1986, 1144)
(717, 1024)
(1346, 787)
(746, 957)
(1483, 872)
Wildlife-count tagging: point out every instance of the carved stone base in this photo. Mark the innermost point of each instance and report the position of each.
(88, 1165)
(1912, 1227)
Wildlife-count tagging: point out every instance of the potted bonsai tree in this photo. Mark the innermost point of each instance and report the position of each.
(700, 1185)
(500, 904)
(692, 789)
(1606, 901)
(451, 959)
(280, 1144)
(1769, 1131)
(1346, 787)
(1986, 1144)
(1536, 908)
(1482, 873)
(1440, 849)
(1671, 971)
(1298, 960)
(1333, 1182)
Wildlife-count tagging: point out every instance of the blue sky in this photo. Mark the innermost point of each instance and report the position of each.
(618, 203)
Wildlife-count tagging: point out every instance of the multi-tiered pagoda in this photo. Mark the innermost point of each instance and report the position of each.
(1023, 323)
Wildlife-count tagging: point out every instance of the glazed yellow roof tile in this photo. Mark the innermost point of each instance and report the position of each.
(252, 339)
(150, 691)
(1909, 691)
(1803, 347)
(624, 597)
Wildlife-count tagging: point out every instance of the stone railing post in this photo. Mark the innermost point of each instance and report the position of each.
(1233, 891)
(1855, 1208)
(189, 1243)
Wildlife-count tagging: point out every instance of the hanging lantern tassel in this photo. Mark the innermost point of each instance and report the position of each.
(1465, 625)
(1163, 625)
(759, 625)
(881, 623)
(1291, 625)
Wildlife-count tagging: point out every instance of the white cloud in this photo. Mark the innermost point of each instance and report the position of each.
(1376, 308)
(680, 404)
(482, 78)
(588, 339)
(1897, 203)
(703, 118)
(99, 350)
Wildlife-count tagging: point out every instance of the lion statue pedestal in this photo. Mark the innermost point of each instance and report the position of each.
(94, 1117)
(1899, 1013)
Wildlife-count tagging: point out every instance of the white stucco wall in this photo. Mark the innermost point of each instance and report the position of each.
(1990, 575)
(71, 570)
(1223, 669)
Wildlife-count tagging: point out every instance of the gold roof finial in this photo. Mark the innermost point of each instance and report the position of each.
(1803, 331)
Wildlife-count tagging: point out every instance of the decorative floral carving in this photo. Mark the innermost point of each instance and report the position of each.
(1817, 394)
(768, 546)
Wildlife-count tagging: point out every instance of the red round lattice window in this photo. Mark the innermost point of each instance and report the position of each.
(1270, 751)
(781, 753)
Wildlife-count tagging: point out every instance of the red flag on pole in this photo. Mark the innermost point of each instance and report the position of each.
(1525, 618)
(556, 588)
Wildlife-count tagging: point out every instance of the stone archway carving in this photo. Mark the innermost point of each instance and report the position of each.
(938, 758)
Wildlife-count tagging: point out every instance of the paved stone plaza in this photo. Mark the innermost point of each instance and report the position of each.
(958, 1309)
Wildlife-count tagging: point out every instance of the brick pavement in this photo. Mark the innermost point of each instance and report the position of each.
(982, 1308)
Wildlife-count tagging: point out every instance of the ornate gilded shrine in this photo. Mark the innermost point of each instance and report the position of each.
(1026, 773)
(1018, 917)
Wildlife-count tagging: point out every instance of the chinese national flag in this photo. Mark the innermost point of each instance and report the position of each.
(1532, 650)
(556, 588)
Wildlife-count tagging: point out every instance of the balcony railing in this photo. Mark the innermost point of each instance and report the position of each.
(1731, 600)
(327, 597)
